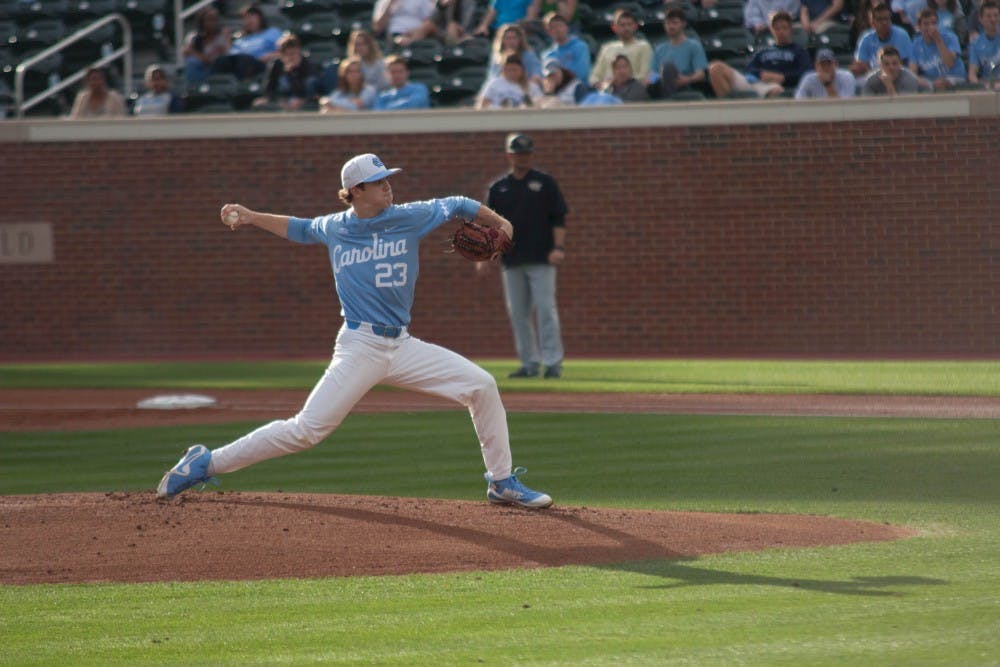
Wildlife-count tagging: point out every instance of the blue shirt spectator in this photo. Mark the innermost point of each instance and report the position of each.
(984, 52)
(870, 42)
(401, 93)
(928, 60)
(571, 51)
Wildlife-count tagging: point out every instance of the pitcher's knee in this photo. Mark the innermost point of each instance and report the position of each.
(308, 433)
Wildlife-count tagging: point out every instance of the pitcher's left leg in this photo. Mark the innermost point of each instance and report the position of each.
(432, 369)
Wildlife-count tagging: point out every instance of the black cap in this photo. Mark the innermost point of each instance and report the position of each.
(519, 143)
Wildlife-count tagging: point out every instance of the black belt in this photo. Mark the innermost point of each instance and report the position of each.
(377, 329)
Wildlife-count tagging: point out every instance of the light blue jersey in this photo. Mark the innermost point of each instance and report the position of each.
(375, 260)
(869, 44)
(928, 58)
(985, 53)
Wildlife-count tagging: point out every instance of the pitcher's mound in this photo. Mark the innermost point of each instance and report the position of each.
(130, 537)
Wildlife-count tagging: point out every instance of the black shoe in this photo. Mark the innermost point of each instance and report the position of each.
(524, 372)
(553, 371)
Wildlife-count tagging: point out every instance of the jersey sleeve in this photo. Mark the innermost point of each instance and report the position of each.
(438, 211)
(304, 230)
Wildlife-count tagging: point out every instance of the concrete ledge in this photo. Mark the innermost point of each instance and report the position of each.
(676, 114)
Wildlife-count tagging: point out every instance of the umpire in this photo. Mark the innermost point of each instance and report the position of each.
(531, 201)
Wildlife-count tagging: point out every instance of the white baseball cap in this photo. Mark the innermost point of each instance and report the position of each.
(364, 169)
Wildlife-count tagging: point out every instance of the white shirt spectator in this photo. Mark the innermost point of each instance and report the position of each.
(405, 15)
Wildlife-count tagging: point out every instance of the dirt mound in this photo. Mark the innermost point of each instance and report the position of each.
(130, 537)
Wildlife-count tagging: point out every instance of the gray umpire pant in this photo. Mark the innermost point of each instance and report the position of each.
(527, 288)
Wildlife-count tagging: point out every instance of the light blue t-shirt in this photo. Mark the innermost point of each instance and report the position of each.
(375, 260)
(258, 44)
(869, 45)
(574, 55)
(414, 95)
(688, 57)
(985, 52)
(928, 59)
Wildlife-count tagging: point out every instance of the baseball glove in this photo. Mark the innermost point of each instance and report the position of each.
(479, 243)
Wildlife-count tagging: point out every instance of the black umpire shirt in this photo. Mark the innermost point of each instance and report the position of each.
(534, 205)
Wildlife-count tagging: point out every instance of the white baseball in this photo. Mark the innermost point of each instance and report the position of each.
(232, 217)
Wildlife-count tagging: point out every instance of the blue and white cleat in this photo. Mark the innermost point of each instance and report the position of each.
(511, 491)
(192, 469)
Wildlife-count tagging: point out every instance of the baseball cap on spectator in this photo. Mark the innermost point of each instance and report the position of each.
(364, 168)
(551, 65)
(825, 55)
(519, 143)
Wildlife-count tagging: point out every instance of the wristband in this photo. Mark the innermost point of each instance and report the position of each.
(559, 247)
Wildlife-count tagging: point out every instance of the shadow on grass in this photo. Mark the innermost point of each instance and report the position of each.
(684, 574)
(620, 550)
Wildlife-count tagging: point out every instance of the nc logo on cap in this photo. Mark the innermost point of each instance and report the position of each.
(378, 163)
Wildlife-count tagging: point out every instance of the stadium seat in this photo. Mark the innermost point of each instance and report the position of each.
(148, 19)
(40, 34)
(89, 10)
(425, 74)
(837, 38)
(8, 34)
(324, 53)
(473, 52)
(727, 43)
(459, 85)
(297, 10)
(319, 27)
(421, 53)
(718, 17)
(216, 88)
(36, 11)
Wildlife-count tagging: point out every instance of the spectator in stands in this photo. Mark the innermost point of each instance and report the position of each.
(827, 81)
(882, 33)
(571, 51)
(623, 84)
(772, 68)
(816, 16)
(891, 78)
(404, 21)
(455, 20)
(639, 52)
(251, 52)
(362, 45)
(502, 12)
(292, 80)
(402, 93)
(937, 59)
(512, 89)
(679, 61)
(205, 44)
(352, 93)
(511, 39)
(984, 51)
(561, 87)
(158, 100)
(757, 13)
(96, 99)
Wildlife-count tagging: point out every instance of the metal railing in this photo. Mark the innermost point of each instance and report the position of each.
(181, 13)
(124, 51)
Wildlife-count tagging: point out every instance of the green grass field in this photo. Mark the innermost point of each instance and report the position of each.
(929, 600)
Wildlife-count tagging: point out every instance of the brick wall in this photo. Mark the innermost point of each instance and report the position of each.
(853, 238)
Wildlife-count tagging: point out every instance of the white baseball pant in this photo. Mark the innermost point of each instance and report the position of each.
(362, 359)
